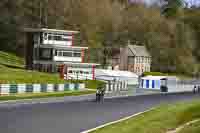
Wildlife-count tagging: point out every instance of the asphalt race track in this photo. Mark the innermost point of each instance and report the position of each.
(78, 116)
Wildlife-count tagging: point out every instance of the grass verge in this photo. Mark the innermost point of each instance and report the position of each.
(193, 128)
(181, 76)
(12, 60)
(12, 72)
(14, 75)
(45, 95)
(93, 84)
(20, 76)
(160, 120)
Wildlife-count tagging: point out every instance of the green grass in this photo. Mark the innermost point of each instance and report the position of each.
(12, 71)
(93, 84)
(13, 75)
(44, 95)
(159, 120)
(11, 60)
(181, 76)
(193, 128)
(154, 74)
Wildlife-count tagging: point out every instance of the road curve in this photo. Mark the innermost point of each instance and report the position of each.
(78, 116)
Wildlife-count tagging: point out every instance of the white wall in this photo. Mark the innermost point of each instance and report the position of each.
(67, 43)
(67, 59)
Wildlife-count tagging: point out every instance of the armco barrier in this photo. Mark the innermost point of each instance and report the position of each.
(7, 89)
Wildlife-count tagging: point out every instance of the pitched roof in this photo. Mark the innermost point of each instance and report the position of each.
(135, 50)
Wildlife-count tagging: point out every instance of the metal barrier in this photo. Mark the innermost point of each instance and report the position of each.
(7, 89)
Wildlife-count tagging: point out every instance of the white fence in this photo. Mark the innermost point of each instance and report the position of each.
(112, 86)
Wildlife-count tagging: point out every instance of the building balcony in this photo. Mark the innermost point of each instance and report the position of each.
(67, 59)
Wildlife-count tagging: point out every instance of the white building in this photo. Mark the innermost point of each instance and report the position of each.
(155, 82)
(116, 80)
(51, 50)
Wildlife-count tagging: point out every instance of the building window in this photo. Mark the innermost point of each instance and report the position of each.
(149, 60)
(131, 60)
(50, 37)
(70, 71)
(59, 53)
(77, 55)
(81, 72)
(45, 54)
(57, 37)
(67, 54)
(45, 36)
(66, 39)
(87, 73)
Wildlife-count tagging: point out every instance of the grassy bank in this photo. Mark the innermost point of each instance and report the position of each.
(193, 128)
(160, 120)
(11, 60)
(12, 71)
(44, 95)
(181, 76)
(15, 75)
